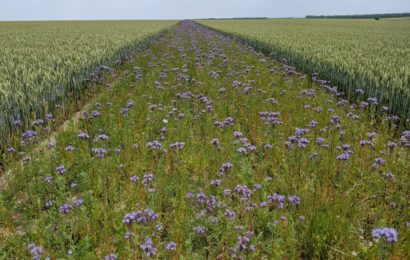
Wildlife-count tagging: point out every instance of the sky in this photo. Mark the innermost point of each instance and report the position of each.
(189, 9)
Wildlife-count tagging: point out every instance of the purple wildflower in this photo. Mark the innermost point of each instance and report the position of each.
(343, 157)
(230, 214)
(294, 200)
(171, 246)
(69, 148)
(35, 251)
(148, 248)
(154, 145)
(111, 256)
(177, 145)
(335, 120)
(237, 134)
(78, 202)
(100, 152)
(390, 234)
(147, 179)
(65, 208)
(200, 229)
(60, 169)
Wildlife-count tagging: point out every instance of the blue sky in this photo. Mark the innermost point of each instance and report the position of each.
(185, 9)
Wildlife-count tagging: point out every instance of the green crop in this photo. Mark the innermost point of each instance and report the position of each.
(42, 62)
(354, 54)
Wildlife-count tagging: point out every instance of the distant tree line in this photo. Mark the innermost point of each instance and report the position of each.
(236, 18)
(358, 16)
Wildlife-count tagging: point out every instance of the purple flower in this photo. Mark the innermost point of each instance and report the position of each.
(65, 208)
(189, 195)
(225, 167)
(313, 156)
(371, 135)
(148, 248)
(200, 229)
(313, 123)
(83, 135)
(48, 204)
(302, 142)
(48, 117)
(268, 146)
(335, 120)
(60, 169)
(111, 256)
(227, 192)
(95, 114)
(243, 241)
(359, 91)
(35, 251)
(48, 179)
(343, 157)
(280, 199)
(128, 235)
(216, 182)
(39, 122)
(243, 190)
(301, 131)
(379, 160)
(100, 152)
(201, 198)
(177, 145)
(391, 146)
(237, 134)
(11, 150)
(102, 137)
(294, 200)
(320, 140)
(366, 142)
(390, 234)
(230, 214)
(29, 135)
(373, 101)
(130, 103)
(140, 216)
(154, 145)
(171, 246)
(389, 176)
(124, 111)
(147, 179)
(134, 178)
(215, 142)
(228, 121)
(242, 150)
(69, 148)
(78, 202)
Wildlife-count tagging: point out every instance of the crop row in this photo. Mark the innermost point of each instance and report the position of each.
(42, 62)
(358, 55)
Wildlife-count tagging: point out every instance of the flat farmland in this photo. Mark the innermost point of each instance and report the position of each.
(358, 56)
(41, 63)
(195, 144)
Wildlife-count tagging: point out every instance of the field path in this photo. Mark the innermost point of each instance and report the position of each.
(204, 148)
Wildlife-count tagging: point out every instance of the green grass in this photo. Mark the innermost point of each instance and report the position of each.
(354, 54)
(341, 201)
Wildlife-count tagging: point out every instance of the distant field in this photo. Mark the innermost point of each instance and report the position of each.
(40, 62)
(354, 54)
